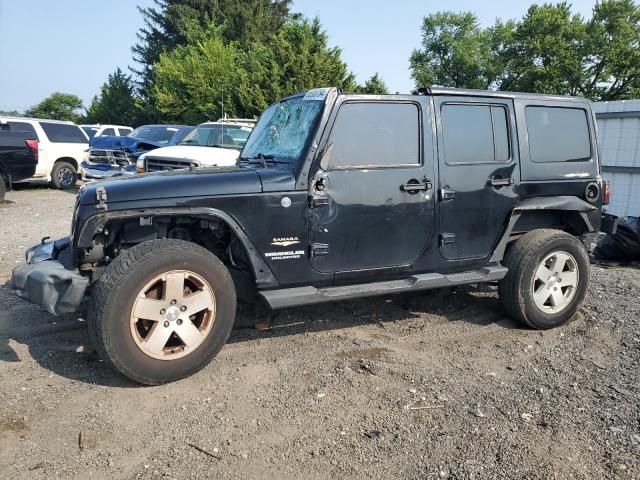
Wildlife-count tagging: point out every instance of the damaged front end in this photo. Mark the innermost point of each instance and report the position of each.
(104, 163)
(49, 278)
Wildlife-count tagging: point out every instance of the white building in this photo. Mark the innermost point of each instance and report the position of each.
(619, 140)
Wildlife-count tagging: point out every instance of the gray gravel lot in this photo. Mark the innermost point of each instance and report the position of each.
(439, 385)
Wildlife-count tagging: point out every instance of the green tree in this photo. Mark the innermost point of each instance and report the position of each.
(295, 59)
(193, 79)
(550, 50)
(57, 106)
(116, 103)
(375, 86)
(167, 22)
(455, 52)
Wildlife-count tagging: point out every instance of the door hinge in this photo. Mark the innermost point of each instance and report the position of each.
(447, 238)
(319, 250)
(101, 198)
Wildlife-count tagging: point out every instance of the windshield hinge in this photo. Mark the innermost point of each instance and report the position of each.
(101, 197)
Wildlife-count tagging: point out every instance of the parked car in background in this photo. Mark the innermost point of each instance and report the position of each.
(209, 144)
(61, 148)
(117, 155)
(105, 130)
(18, 156)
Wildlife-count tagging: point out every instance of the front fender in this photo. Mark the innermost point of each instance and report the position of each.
(96, 223)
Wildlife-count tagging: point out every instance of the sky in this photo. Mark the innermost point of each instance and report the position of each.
(72, 45)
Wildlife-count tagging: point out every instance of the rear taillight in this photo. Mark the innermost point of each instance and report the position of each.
(606, 193)
(33, 146)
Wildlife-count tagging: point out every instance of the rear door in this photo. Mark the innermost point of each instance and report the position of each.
(479, 173)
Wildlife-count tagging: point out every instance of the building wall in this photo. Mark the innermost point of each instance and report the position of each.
(619, 142)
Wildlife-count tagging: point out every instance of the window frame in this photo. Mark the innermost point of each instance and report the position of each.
(559, 162)
(491, 106)
(418, 107)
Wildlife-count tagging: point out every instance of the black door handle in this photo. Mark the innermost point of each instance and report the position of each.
(415, 187)
(500, 182)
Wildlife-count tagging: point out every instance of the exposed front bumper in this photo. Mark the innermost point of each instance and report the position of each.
(45, 281)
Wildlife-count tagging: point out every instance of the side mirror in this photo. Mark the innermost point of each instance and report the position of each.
(326, 157)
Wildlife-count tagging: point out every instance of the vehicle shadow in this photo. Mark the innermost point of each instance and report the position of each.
(42, 185)
(62, 344)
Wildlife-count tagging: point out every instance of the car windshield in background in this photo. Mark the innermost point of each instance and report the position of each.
(63, 133)
(156, 134)
(216, 135)
(90, 131)
(284, 129)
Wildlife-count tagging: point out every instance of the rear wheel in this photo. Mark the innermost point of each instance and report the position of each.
(162, 310)
(64, 175)
(547, 279)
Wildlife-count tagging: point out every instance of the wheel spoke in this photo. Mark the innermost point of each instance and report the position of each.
(174, 287)
(189, 333)
(557, 298)
(543, 274)
(148, 309)
(541, 296)
(559, 262)
(157, 338)
(569, 278)
(198, 301)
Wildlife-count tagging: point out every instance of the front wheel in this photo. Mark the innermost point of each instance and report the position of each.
(547, 279)
(162, 311)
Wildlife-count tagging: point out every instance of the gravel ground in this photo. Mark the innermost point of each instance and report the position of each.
(439, 385)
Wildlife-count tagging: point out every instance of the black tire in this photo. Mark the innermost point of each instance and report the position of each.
(116, 291)
(3, 188)
(64, 176)
(523, 259)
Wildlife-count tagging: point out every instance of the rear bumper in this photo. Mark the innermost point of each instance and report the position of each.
(45, 281)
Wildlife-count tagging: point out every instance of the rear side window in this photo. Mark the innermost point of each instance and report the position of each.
(125, 131)
(475, 134)
(376, 135)
(558, 134)
(63, 133)
(22, 127)
(108, 131)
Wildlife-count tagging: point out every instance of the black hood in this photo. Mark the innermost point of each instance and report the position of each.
(175, 184)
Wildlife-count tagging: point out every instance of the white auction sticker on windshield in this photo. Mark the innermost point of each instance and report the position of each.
(316, 94)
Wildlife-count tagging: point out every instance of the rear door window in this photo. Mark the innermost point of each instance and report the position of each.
(558, 134)
(107, 132)
(125, 131)
(475, 134)
(63, 133)
(23, 127)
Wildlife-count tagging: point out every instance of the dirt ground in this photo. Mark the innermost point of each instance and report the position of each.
(439, 385)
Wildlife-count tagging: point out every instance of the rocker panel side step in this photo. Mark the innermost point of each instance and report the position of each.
(291, 297)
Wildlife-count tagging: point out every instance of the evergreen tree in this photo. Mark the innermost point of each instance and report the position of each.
(116, 103)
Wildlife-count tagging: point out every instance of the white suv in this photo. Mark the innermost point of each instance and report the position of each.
(61, 148)
(106, 130)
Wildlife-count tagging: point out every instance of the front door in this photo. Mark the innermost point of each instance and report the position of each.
(478, 173)
(371, 202)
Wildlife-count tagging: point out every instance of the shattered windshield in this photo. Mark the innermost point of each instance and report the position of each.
(284, 129)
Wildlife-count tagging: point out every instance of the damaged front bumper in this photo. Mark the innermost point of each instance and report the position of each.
(99, 171)
(47, 278)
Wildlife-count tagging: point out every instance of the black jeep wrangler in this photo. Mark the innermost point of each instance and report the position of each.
(334, 196)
